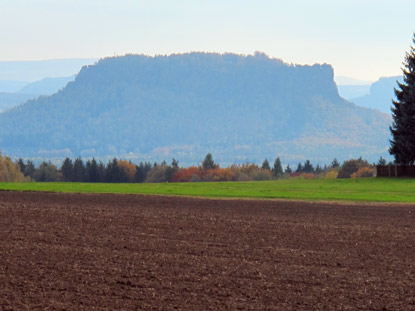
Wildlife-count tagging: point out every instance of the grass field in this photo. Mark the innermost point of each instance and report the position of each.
(361, 190)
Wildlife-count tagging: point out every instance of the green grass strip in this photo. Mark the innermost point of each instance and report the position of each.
(360, 190)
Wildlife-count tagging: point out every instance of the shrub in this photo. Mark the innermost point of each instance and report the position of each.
(157, 174)
(195, 178)
(218, 174)
(332, 174)
(308, 176)
(46, 172)
(128, 168)
(261, 175)
(240, 176)
(364, 172)
(186, 174)
(248, 171)
(351, 166)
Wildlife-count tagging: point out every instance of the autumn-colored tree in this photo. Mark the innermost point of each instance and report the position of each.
(364, 172)
(128, 168)
(332, 174)
(218, 174)
(351, 166)
(9, 172)
(186, 174)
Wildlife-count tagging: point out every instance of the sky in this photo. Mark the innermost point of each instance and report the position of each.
(361, 39)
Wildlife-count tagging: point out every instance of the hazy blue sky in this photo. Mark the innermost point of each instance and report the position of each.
(364, 39)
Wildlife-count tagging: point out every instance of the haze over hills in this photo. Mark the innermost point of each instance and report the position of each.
(380, 95)
(24, 80)
(31, 71)
(47, 86)
(350, 88)
(240, 108)
(10, 86)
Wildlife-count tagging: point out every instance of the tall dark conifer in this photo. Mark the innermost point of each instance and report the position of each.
(78, 170)
(265, 165)
(21, 165)
(277, 169)
(403, 114)
(67, 170)
(92, 173)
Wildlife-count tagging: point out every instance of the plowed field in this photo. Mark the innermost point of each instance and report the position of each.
(130, 252)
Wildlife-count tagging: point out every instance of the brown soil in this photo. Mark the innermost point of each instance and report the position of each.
(125, 252)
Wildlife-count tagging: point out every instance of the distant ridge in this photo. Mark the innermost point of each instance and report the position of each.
(31, 71)
(240, 108)
(47, 86)
(380, 95)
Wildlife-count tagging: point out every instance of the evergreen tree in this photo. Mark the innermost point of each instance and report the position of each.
(21, 165)
(318, 169)
(67, 170)
(265, 165)
(381, 161)
(288, 169)
(208, 162)
(92, 174)
(277, 169)
(140, 175)
(101, 172)
(308, 167)
(112, 171)
(299, 168)
(175, 163)
(78, 170)
(171, 170)
(335, 163)
(403, 114)
(29, 169)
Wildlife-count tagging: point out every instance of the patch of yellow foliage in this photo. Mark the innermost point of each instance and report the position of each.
(9, 172)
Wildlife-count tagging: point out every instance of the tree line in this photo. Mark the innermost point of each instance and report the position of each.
(122, 171)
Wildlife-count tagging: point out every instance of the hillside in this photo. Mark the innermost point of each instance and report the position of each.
(240, 108)
(380, 95)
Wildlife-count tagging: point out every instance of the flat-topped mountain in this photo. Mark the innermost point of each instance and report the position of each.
(240, 108)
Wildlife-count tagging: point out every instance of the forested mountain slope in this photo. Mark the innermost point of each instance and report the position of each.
(240, 108)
